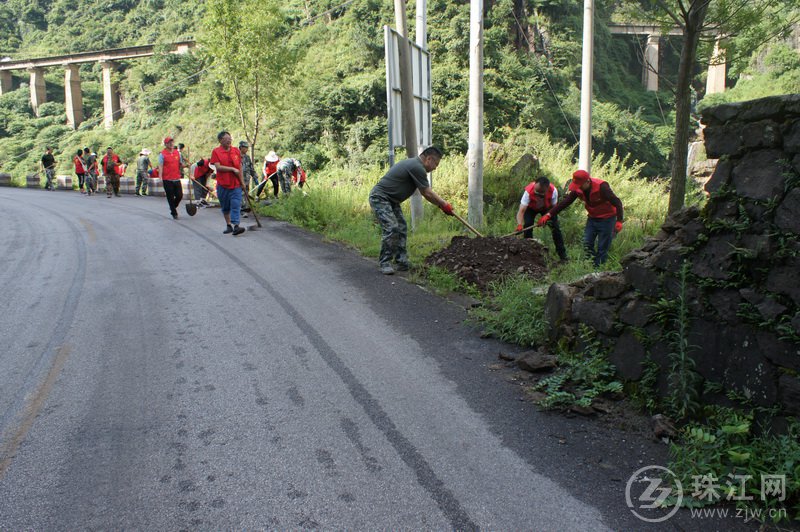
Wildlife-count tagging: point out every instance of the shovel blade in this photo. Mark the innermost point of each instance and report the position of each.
(191, 209)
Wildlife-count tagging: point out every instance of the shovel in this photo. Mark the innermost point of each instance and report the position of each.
(252, 210)
(191, 208)
(532, 226)
(463, 221)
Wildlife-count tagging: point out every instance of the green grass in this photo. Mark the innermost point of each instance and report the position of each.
(335, 205)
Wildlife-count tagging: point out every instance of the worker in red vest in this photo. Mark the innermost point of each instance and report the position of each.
(603, 207)
(169, 168)
(538, 198)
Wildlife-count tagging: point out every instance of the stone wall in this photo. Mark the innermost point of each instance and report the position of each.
(735, 265)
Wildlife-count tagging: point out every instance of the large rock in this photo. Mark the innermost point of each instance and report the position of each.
(730, 355)
(720, 177)
(599, 315)
(789, 386)
(535, 361)
(558, 305)
(787, 216)
(527, 167)
(725, 303)
(784, 280)
(714, 259)
(636, 313)
(608, 286)
(723, 140)
(627, 356)
(690, 233)
(782, 353)
(791, 142)
(642, 278)
(762, 134)
(760, 175)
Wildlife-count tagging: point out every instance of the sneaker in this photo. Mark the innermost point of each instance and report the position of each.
(108, 195)
(175, 216)
(238, 230)
(117, 195)
(387, 269)
(402, 266)
(228, 230)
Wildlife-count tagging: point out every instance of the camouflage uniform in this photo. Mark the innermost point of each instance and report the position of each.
(285, 169)
(142, 165)
(248, 171)
(393, 229)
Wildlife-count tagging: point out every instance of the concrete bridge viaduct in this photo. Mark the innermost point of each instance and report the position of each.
(715, 81)
(72, 80)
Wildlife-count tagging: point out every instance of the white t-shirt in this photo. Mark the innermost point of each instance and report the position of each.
(526, 199)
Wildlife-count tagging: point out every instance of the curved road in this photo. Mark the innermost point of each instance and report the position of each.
(156, 374)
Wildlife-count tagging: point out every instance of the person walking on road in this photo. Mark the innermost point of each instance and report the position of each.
(169, 168)
(228, 162)
(80, 169)
(143, 166)
(538, 198)
(604, 209)
(109, 165)
(91, 171)
(396, 186)
(49, 168)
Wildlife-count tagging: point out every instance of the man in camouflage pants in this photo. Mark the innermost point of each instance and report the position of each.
(143, 164)
(395, 187)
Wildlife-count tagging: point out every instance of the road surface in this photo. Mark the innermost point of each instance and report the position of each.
(157, 374)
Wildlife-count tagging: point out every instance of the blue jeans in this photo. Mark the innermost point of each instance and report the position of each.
(600, 230)
(230, 199)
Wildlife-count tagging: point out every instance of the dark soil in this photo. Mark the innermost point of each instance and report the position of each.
(480, 261)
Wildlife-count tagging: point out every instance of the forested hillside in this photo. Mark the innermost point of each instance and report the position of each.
(329, 105)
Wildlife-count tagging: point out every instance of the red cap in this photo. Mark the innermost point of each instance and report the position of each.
(168, 139)
(580, 176)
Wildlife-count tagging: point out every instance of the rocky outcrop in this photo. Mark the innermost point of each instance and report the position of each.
(729, 273)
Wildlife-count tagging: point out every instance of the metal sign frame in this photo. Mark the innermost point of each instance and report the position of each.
(421, 76)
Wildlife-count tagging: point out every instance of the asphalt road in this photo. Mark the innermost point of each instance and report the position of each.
(156, 374)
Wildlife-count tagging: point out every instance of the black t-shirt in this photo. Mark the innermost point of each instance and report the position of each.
(48, 161)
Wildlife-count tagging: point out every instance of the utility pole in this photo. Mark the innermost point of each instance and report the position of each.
(587, 79)
(407, 98)
(475, 153)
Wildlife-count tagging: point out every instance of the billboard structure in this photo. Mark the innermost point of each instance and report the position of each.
(421, 76)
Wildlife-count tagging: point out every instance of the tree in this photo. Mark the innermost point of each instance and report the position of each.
(745, 25)
(247, 40)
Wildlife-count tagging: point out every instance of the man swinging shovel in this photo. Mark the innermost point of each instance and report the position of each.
(395, 187)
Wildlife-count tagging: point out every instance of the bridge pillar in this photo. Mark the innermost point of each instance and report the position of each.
(650, 63)
(5, 82)
(38, 89)
(73, 100)
(110, 95)
(715, 82)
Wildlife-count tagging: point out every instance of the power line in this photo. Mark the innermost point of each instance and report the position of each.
(546, 79)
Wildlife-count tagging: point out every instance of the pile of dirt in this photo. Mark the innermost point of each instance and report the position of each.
(482, 260)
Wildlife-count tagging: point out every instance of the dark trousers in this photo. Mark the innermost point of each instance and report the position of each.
(81, 178)
(199, 191)
(601, 232)
(558, 238)
(174, 192)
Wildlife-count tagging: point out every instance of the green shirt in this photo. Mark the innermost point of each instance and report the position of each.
(402, 180)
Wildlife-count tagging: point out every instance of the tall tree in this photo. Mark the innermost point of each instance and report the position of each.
(247, 40)
(745, 25)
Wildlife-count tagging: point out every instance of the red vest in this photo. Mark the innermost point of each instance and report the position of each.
(548, 197)
(172, 164)
(78, 162)
(595, 205)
